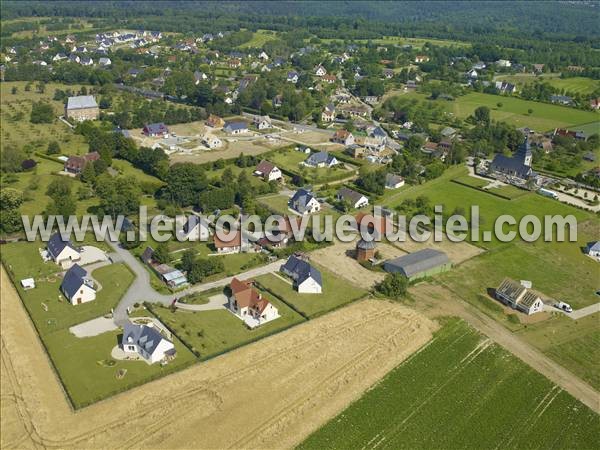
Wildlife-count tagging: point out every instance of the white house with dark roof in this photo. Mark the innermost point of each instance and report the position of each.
(194, 229)
(393, 181)
(268, 171)
(304, 202)
(237, 127)
(593, 249)
(262, 122)
(320, 159)
(355, 199)
(147, 342)
(307, 279)
(77, 287)
(320, 71)
(61, 251)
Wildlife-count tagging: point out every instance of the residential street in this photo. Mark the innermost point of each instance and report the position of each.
(141, 290)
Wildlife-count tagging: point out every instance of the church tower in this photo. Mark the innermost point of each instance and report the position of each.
(524, 152)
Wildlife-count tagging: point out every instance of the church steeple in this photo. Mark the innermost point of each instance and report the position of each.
(524, 152)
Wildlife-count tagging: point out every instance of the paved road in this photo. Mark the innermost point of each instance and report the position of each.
(141, 289)
(577, 313)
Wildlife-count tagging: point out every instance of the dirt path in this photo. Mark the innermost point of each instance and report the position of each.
(435, 301)
(270, 394)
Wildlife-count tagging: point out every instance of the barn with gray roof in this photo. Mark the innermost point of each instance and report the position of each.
(423, 263)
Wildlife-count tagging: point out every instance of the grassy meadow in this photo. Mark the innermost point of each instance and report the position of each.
(417, 405)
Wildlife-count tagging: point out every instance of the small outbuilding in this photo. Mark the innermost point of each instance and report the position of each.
(365, 250)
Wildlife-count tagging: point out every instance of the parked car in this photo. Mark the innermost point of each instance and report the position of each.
(564, 306)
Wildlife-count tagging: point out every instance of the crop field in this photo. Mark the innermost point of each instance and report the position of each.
(336, 292)
(515, 111)
(416, 405)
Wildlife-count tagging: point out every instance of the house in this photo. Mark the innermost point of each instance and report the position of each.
(237, 127)
(263, 55)
(86, 61)
(504, 63)
(292, 77)
(277, 101)
(393, 181)
(61, 251)
(307, 279)
(73, 58)
(248, 304)
(268, 171)
(328, 114)
(538, 68)
(388, 73)
(374, 144)
(422, 263)
(215, 121)
(199, 76)
(354, 111)
(561, 100)
(329, 79)
(76, 287)
(195, 229)
(104, 62)
(320, 159)
(448, 132)
(262, 122)
(355, 151)
(320, 71)
(355, 199)
(343, 137)
(234, 63)
(519, 297)
(505, 87)
(421, 59)
(59, 57)
(156, 130)
(304, 202)
(211, 141)
(75, 164)
(82, 107)
(472, 74)
(580, 135)
(595, 103)
(518, 166)
(147, 342)
(232, 244)
(593, 249)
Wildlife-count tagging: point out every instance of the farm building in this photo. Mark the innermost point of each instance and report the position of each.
(423, 263)
(147, 342)
(77, 287)
(519, 297)
(307, 279)
(249, 305)
(82, 107)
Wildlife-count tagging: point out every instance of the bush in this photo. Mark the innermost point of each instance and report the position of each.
(393, 286)
(53, 148)
(41, 112)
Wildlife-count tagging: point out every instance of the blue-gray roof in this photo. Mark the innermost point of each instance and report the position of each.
(240, 125)
(81, 101)
(74, 278)
(302, 196)
(319, 158)
(300, 270)
(143, 336)
(156, 128)
(56, 244)
(417, 262)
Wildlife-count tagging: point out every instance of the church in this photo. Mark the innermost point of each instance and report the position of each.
(518, 165)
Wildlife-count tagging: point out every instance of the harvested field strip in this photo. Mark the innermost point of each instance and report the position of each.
(455, 385)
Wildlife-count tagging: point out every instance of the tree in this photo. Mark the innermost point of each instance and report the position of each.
(394, 285)
(88, 174)
(482, 115)
(41, 112)
(161, 254)
(53, 148)
(62, 206)
(10, 218)
(11, 158)
(14, 90)
(59, 187)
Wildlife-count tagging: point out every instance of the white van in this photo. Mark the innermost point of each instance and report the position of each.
(564, 306)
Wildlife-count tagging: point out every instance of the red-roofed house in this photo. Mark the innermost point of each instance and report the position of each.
(249, 305)
(268, 171)
(75, 164)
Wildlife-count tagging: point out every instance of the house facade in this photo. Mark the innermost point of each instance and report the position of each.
(77, 287)
(147, 342)
(304, 202)
(61, 251)
(75, 164)
(268, 171)
(355, 199)
(307, 279)
(320, 160)
(156, 130)
(82, 107)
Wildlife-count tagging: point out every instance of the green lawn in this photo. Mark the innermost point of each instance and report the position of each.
(577, 85)
(336, 292)
(290, 159)
(515, 111)
(259, 39)
(81, 368)
(276, 203)
(210, 333)
(453, 394)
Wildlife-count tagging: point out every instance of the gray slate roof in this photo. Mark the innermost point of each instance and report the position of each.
(56, 244)
(143, 336)
(74, 278)
(233, 126)
(319, 158)
(417, 262)
(300, 270)
(81, 101)
(302, 196)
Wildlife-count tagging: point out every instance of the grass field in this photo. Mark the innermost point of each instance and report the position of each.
(290, 160)
(576, 85)
(210, 333)
(336, 292)
(259, 39)
(461, 391)
(515, 111)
